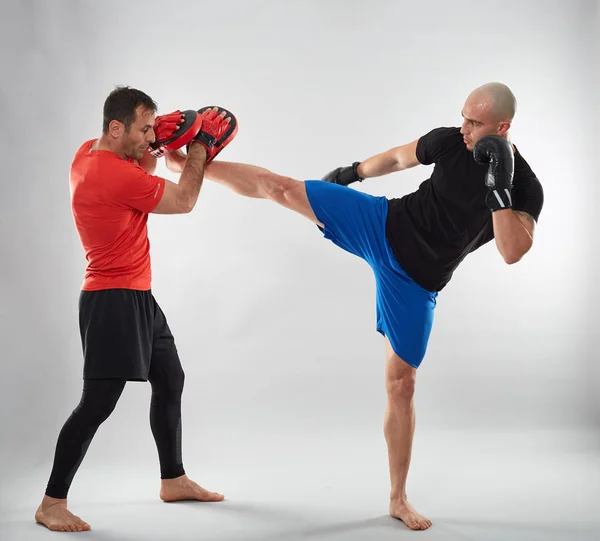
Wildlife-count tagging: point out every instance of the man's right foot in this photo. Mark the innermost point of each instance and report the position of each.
(53, 514)
(403, 511)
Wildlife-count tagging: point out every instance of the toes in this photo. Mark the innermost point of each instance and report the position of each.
(212, 496)
(417, 523)
(425, 524)
(208, 496)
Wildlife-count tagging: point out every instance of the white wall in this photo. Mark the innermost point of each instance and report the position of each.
(275, 325)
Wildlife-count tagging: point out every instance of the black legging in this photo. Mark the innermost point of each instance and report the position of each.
(98, 400)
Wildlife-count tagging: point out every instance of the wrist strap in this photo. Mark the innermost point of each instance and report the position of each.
(355, 169)
(499, 199)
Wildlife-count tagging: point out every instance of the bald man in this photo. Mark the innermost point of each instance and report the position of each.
(413, 243)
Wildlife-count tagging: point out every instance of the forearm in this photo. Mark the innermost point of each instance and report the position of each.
(390, 161)
(378, 165)
(148, 163)
(513, 240)
(175, 161)
(192, 176)
(244, 179)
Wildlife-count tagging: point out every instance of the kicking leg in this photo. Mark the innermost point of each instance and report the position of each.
(256, 182)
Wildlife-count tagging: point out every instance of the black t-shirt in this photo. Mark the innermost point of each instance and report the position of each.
(434, 228)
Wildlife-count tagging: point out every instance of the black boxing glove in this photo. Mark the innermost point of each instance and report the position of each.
(497, 152)
(344, 175)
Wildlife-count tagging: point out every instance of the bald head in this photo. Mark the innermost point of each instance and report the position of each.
(499, 98)
(489, 110)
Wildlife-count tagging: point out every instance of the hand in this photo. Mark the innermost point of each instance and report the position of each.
(344, 175)
(497, 152)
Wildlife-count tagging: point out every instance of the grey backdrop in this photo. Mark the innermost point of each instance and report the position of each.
(274, 324)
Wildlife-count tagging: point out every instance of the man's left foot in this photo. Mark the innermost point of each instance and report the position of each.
(183, 488)
(405, 512)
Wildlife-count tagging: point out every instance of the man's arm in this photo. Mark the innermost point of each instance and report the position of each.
(175, 161)
(148, 163)
(513, 209)
(395, 159)
(181, 198)
(513, 230)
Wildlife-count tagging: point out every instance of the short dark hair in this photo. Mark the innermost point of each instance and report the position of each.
(121, 105)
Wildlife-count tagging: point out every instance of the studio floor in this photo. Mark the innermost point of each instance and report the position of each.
(484, 486)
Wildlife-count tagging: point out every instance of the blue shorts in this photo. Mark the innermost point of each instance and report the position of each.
(356, 222)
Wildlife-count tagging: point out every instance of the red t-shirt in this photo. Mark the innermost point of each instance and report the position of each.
(111, 199)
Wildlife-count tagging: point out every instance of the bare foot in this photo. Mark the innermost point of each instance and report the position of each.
(54, 514)
(183, 488)
(402, 510)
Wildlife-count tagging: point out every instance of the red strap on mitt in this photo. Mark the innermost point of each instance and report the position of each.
(174, 130)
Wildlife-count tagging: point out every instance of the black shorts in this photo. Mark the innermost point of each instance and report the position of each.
(123, 331)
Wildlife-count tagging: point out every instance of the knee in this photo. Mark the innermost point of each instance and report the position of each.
(401, 389)
(178, 382)
(96, 411)
(169, 386)
(280, 189)
(99, 401)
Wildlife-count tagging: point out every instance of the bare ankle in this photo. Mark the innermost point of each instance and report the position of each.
(172, 480)
(49, 500)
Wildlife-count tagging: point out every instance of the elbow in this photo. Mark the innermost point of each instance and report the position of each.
(511, 259)
(398, 163)
(187, 208)
(513, 252)
(513, 256)
(186, 205)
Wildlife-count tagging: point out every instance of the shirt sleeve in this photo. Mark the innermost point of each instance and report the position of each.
(528, 195)
(133, 187)
(434, 144)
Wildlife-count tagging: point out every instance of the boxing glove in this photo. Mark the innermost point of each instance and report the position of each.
(497, 154)
(344, 175)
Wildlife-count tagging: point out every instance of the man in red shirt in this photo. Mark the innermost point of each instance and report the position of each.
(124, 333)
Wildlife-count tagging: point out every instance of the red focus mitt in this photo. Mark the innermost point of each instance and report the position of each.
(174, 131)
(218, 129)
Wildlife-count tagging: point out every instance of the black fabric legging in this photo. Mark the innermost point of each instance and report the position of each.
(98, 400)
